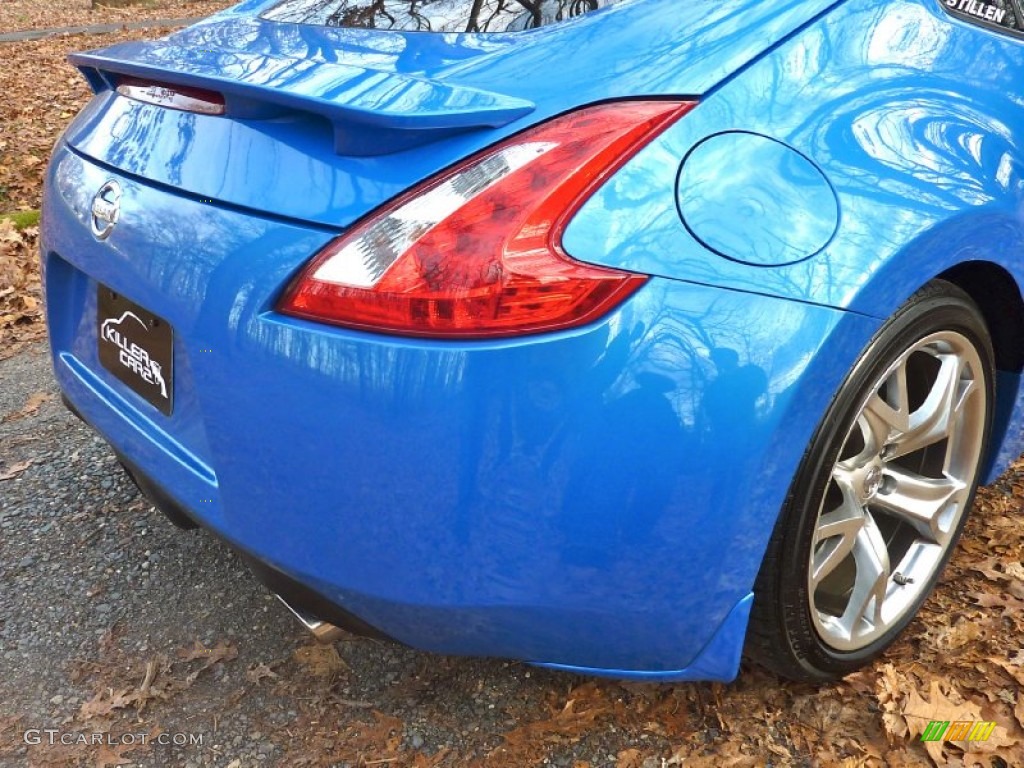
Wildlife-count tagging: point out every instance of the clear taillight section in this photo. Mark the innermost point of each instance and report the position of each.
(172, 96)
(476, 252)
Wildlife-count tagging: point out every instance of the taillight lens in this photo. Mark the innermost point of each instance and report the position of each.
(476, 252)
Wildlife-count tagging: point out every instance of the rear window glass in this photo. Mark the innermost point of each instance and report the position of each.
(434, 15)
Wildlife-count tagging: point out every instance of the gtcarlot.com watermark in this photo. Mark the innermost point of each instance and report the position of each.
(52, 737)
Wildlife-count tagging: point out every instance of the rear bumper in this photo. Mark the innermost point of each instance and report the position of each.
(295, 595)
(718, 660)
(597, 500)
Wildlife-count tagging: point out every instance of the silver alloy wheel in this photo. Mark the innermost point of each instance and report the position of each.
(898, 491)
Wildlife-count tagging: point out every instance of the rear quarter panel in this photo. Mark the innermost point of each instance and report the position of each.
(917, 121)
(915, 117)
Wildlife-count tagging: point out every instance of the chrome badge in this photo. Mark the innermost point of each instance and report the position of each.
(106, 210)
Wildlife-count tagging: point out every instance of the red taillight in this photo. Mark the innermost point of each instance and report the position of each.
(477, 251)
(172, 96)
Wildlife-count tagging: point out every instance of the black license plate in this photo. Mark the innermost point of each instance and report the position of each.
(137, 347)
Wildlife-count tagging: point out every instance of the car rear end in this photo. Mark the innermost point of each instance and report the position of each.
(529, 489)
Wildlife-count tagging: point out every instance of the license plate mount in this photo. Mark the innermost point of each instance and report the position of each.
(137, 347)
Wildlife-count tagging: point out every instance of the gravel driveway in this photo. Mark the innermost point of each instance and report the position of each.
(94, 578)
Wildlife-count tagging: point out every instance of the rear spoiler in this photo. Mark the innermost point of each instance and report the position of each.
(372, 112)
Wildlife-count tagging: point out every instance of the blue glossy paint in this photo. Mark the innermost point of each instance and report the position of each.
(598, 499)
(372, 112)
(718, 660)
(461, 496)
(785, 208)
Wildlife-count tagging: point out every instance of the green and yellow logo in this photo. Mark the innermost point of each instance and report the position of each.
(958, 730)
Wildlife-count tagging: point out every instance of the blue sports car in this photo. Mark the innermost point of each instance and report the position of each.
(620, 337)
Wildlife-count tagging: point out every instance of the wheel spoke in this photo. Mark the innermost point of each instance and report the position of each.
(932, 421)
(881, 421)
(899, 392)
(871, 582)
(876, 427)
(843, 474)
(835, 538)
(919, 501)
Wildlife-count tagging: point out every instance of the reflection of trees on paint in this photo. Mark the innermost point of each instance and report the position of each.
(434, 15)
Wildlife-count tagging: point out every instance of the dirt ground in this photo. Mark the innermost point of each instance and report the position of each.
(17, 15)
(112, 622)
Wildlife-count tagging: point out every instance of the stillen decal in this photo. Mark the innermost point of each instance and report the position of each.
(981, 10)
(1004, 14)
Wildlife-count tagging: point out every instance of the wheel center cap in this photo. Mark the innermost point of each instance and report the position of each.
(872, 482)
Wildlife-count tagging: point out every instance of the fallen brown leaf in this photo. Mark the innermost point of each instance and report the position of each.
(222, 651)
(1012, 607)
(421, 760)
(21, 319)
(586, 705)
(257, 672)
(31, 406)
(16, 469)
(320, 660)
(105, 702)
(112, 756)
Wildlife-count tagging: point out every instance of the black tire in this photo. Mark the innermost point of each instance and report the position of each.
(783, 635)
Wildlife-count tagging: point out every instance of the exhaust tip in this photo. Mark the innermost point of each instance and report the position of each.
(322, 631)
